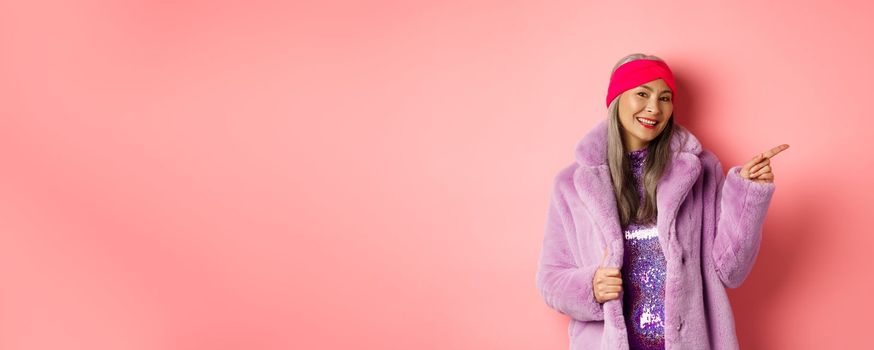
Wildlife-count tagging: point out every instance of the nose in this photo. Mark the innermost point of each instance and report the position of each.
(652, 107)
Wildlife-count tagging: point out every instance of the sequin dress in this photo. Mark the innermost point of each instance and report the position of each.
(643, 275)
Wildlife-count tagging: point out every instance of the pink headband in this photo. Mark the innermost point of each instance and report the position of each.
(634, 73)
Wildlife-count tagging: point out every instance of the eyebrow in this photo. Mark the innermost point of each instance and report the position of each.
(650, 89)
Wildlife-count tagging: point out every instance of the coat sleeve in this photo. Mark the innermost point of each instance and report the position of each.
(741, 205)
(563, 285)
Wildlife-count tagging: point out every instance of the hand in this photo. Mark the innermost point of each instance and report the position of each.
(759, 168)
(607, 282)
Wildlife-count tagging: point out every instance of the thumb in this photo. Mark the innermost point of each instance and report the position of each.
(604, 259)
(610, 271)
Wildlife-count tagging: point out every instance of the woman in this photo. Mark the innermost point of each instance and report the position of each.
(644, 231)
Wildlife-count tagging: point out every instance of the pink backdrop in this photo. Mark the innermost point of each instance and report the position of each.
(374, 175)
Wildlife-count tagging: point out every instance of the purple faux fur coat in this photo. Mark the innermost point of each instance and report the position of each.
(709, 228)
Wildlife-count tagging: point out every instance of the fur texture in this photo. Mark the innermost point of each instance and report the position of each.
(709, 228)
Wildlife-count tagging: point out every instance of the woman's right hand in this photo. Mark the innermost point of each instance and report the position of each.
(607, 283)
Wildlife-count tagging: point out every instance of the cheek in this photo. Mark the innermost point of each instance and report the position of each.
(630, 105)
(636, 104)
(627, 112)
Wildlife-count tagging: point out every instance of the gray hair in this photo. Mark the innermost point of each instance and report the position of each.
(628, 201)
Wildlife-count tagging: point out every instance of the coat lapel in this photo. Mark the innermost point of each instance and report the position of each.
(593, 184)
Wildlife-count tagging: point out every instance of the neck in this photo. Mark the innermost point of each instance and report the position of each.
(633, 147)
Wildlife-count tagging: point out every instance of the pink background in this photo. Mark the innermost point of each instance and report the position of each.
(374, 175)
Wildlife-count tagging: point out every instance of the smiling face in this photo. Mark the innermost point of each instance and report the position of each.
(651, 101)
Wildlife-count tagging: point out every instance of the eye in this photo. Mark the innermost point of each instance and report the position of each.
(641, 94)
(666, 98)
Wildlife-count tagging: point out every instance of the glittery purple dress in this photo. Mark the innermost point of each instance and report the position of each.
(643, 275)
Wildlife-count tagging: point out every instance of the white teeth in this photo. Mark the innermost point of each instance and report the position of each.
(647, 122)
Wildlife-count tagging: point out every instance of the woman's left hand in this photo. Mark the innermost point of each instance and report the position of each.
(759, 169)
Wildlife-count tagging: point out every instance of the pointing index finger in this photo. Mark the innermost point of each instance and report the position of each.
(773, 151)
